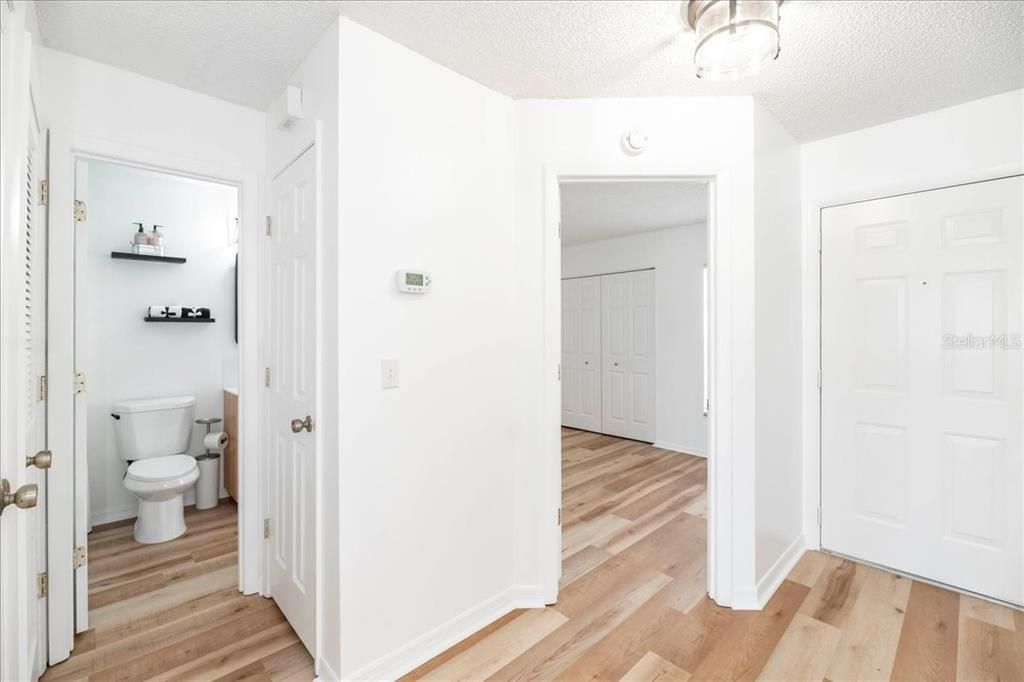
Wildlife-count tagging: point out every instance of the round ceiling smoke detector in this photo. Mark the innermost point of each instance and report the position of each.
(734, 38)
(634, 142)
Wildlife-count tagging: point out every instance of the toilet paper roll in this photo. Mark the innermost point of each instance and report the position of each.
(215, 441)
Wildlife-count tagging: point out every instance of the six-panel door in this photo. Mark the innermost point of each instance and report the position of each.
(922, 380)
(291, 382)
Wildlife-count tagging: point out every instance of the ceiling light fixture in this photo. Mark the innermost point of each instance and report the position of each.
(735, 38)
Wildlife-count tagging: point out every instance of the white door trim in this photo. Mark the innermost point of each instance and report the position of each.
(812, 320)
(721, 508)
(65, 150)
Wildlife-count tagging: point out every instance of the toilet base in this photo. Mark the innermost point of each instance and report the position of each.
(160, 520)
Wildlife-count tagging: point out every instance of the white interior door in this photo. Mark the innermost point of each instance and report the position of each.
(581, 353)
(291, 362)
(922, 379)
(627, 345)
(23, 615)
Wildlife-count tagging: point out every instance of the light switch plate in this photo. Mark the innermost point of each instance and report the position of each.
(389, 373)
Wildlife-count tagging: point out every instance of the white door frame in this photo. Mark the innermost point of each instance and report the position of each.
(812, 326)
(66, 479)
(721, 511)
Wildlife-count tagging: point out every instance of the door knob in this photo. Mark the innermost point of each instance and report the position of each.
(24, 497)
(299, 424)
(41, 460)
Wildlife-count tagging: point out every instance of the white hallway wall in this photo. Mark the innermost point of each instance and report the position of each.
(127, 358)
(973, 141)
(425, 483)
(678, 256)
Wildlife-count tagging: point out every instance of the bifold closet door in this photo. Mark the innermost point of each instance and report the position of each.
(921, 420)
(627, 344)
(581, 353)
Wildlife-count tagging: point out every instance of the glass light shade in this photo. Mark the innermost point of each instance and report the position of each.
(735, 38)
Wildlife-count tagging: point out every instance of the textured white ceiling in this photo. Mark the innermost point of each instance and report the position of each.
(592, 211)
(845, 64)
(240, 51)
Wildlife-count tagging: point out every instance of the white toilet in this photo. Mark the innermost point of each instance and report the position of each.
(153, 435)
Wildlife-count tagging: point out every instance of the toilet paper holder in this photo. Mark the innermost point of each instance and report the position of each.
(209, 422)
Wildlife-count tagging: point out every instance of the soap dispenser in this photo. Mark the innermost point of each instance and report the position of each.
(140, 236)
(156, 239)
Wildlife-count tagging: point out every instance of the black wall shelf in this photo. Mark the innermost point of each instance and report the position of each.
(125, 255)
(179, 320)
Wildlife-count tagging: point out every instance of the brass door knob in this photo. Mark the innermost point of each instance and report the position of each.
(24, 497)
(41, 460)
(299, 424)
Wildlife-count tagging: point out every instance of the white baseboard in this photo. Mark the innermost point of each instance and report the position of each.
(755, 598)
(420, 650)
(675, 447)
(326, 672)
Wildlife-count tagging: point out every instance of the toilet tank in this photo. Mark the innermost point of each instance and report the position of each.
(152, 427)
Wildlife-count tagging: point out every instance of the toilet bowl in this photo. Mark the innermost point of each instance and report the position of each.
(152, 436)
(160, 484)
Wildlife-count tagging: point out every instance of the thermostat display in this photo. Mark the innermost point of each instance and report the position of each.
(413, 281)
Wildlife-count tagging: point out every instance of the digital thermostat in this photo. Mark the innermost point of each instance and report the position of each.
(413, 281)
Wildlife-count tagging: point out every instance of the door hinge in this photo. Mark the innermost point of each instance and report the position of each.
(79, 211)
(819, 240)
(559, 229)
(42, 387)
(269, 226)
(559, 371)
(266, 377)
(819, 379)
(266, 528)
(42, 585)
(559, 516)
(80, 556)
(819, 517)
(44, 192)
(79, 382)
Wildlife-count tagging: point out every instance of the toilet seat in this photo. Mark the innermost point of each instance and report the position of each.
(166, 468)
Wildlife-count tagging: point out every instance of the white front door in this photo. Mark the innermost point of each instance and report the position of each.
(921, 422)
(628, 355)
(581, 353)
(291, 381)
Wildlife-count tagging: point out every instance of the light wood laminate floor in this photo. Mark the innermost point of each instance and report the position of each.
(173, 611)
(632, 604)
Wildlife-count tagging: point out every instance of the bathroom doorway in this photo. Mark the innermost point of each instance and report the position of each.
(157, 363)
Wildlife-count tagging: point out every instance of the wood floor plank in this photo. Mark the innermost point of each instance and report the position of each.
(928, 640)
(867, 648)
(752, 637)
(835, 592)
(988, 652)
(654, 668)
(549, 658)
(803, 653)
(988, 612)
(173, 611)
(500, 647)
